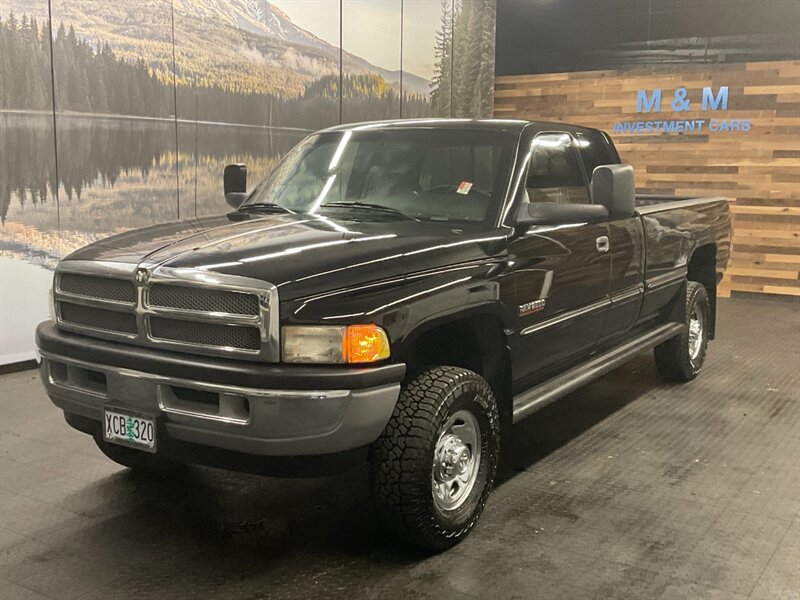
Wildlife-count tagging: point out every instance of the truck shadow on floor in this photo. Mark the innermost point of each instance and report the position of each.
(236, 519)
(559, 423)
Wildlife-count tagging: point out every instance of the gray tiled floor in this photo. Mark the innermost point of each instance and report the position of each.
(630, 488)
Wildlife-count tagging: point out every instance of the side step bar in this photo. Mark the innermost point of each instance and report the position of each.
(528, 402)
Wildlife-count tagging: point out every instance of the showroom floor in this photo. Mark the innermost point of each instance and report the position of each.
(629, 488)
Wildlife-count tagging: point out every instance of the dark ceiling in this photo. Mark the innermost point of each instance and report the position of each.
(541, 36)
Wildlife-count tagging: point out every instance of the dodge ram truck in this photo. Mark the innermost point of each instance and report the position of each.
(393, 292)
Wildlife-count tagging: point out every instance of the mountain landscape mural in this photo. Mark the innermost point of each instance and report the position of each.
(246, 49)
(148, 100)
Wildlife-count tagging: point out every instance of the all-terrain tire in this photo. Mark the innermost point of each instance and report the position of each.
(402, 459)
(681, 358)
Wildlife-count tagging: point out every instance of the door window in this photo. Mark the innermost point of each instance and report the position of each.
(555, 173)
(595, 150)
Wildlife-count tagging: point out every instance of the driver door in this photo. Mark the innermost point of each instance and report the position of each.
(562, 271)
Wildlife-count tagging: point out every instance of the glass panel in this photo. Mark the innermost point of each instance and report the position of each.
(303, 48)
(555, 173)
(115, 124)
(441, 87)
(29, 241)
(371, 70)
(425, 42)
(473, 58)
(239, 99)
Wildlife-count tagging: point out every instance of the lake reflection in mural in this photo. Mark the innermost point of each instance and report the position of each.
(244, 81)
(116, 174)
(113, 175)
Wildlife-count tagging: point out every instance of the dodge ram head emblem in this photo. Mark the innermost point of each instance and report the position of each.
(142, 275)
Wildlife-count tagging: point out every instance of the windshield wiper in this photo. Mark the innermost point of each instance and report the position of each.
(370, 206)
(265, 206)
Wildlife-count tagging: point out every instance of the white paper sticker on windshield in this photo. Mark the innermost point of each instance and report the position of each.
(464, 187)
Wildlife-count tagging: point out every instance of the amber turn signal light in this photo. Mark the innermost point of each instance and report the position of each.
(364, 344)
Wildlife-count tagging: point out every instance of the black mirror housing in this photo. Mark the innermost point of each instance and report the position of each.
(550, 213)
(234, 184)
(613, 186)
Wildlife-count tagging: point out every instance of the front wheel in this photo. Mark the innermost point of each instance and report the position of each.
(682, 357)
(433, 467)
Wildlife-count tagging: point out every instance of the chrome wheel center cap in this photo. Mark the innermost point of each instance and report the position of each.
(456, 461)
(696, 334)
(453, 459)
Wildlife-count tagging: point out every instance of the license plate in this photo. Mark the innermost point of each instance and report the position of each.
(129, 430)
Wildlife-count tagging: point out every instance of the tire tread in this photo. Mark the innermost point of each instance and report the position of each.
(401, 455)
(672, 356)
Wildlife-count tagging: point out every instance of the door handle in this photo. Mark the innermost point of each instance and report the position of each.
(602, 243)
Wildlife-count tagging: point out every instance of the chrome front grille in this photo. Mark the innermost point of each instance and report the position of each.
(188, 310)
(202, 299)
(205, 334)
(103, 288)
(98, 318)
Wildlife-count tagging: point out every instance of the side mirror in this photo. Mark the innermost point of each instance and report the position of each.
(613, 186)
(234, 184)
(550, 213)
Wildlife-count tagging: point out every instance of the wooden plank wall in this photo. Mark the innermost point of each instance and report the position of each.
(758, 171)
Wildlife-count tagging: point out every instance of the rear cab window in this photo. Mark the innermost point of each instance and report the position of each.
(595, 149)
(555, 173)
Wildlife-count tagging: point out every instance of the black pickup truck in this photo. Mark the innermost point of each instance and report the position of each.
(397, 292)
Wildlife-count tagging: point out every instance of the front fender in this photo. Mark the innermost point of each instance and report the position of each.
(407, 306)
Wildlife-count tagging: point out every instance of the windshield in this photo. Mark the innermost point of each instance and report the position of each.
(424, 174)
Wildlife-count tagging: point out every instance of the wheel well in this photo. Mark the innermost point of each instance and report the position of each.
(477, 343)
(703, 269)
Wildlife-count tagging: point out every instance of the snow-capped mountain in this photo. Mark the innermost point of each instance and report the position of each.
(261, 19)
(250, 45)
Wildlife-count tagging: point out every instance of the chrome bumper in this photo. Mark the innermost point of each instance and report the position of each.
(263, 422)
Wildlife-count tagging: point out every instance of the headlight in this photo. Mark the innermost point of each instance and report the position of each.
(334, 345)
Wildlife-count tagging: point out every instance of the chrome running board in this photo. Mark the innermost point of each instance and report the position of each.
(528, 402)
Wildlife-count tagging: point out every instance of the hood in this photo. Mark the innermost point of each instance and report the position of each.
(301, 254)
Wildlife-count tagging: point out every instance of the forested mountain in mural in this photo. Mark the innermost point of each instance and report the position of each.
(238, 61)
(94, 79)
(241, 62)
(242, 45)
(154, 97)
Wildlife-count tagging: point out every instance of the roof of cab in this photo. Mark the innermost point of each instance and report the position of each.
(494, 124)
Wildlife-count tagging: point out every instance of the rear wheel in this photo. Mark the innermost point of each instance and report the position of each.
(682, 357)
(433, 467)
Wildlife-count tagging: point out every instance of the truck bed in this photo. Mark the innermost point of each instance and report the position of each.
(648, 203)
(674, 227)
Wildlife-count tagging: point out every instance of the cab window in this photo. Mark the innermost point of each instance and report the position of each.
(555, 173)
(595, 149)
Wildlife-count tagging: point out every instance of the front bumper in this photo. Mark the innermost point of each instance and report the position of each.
(235, 406)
